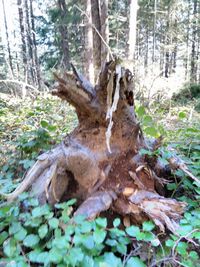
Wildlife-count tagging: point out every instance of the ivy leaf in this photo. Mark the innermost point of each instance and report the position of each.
(101, 222)
(31, 240)
(133, 231)
(140, 111)
(116, 222)
(53, 223)
(43, 230)
(99, 235)
(19, 236)
(135, 261)
(9, 247)
(148, 226)
(55, 255)
(151, 131)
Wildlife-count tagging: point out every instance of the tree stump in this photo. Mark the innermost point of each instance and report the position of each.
(99, 162)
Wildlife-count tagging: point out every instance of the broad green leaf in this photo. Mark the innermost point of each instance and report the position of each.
(140, 111)
(9, 247)
(3, 236)
(135, 262)
(182, 115)
(133, 230)
(148, 226)
(116, 222)
(31, 240)
(99, 235)
(43, 230)
(55, 255)
(53, 223)
(44, 124)
(101, 222)
(19, 236)
(151, 131)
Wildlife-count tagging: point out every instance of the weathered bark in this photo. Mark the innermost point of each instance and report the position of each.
(64, 34)
(104, 30)
(7, 40)
(95, 8)
(22, 33)
(89, 66)
(36, 61)
(99, 162)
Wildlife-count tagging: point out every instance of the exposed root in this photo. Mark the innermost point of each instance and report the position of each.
(96, 203)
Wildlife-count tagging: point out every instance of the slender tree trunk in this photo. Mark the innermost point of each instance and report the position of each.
(154, 30)
(104, 30)
(89, 62)
(7, 40)
(132, 31)
(36, 62)
(187, 43)
(22, 33)
(64, 34)
(193, 75)
(29, 45)
(96, 21)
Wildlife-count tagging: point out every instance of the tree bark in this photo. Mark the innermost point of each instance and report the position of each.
(22, 33)
(7, 40)
(36, 62)
(99, 162)
(89, 60)
(132, 31)
(65, 63)
(96, 21)
(104, 30)
(193, 75)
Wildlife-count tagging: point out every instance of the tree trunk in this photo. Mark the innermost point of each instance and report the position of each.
(22, 33)
(7, 40)
(89, 62)
(132, 31)
(99, 162)
(64, 34)
(193, 75)
(29, 45)
(36, 62)
(96, 21)
(104, 30)
(154, 30)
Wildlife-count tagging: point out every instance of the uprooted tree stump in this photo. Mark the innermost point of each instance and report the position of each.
(99, 162)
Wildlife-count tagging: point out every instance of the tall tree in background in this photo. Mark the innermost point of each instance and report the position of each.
(104, 30)
(65, 62)
(7, 40)
(132, 30)
(34, 47)
(89, 61)
(193, 75)
(22, 33)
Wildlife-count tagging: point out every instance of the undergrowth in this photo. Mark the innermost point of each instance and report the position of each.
(33, 235)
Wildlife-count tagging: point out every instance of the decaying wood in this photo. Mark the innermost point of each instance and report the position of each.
(102, 168)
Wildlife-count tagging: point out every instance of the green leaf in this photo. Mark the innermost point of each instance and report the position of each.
(43, 230)
(140, 111)
(116, 222)
(15, 227)
(101, 222)
(169, 243)
(148, 226)
(151, 131)
(85, 227)
(99, 235)
(55, 255)
(40, 211)
(44, 124)
(135, 262)
(19, 236)
(88, 242)
(182, 115)
(31, 240)
(9, 247)
(133, 230)
(53, 223)
(112, 260)
(3, 237)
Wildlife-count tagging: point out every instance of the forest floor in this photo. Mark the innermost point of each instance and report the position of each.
(33, 236)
